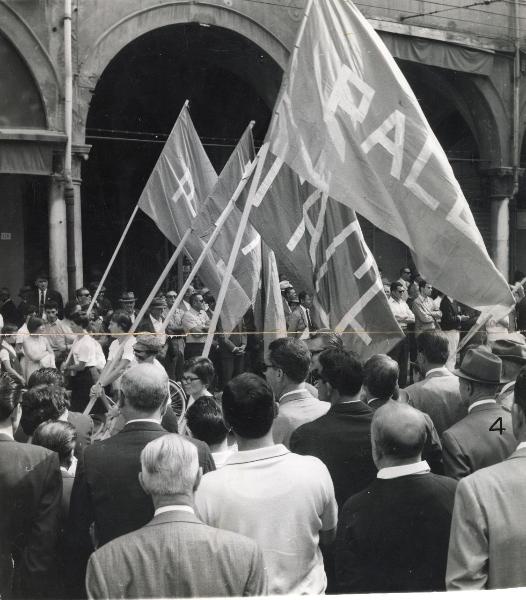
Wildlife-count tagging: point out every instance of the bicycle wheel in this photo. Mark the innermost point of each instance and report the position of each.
(177, 399)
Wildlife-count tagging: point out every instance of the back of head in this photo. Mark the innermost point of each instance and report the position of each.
(58, 436)
(292, 357)
(10, 390)
(205, 421)
(248, 406)
(398, 432)
(169, 466)
(34, 323)
(380, 376)
(46, 376)
(145, 388)
(122, 319)
(41, 403)
(342, 370)
(434, 345)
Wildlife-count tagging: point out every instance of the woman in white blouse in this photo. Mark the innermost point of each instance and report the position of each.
(37, 349)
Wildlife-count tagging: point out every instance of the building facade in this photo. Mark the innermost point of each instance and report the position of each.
(134, 63)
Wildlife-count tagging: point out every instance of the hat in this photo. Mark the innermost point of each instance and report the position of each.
(480, 365)
(285, 285)
(510, 350)
(158, 302)
(127, 297)
(150, 341)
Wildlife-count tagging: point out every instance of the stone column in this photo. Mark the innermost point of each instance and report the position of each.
(501, 187)
(80, 153)
(58, 267)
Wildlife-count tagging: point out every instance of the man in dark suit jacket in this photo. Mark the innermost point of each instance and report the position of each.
(30, 498)
(485, 436)
(393, 536)
(106, 489)
(341, 438)
(175, 554)
(41, 294)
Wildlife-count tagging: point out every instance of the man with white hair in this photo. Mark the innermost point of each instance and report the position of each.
(175, 554)
(106, 490)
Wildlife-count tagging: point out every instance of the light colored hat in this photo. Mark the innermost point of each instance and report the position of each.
(150, 341)
(285, 285)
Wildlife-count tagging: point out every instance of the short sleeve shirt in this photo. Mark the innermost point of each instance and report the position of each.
(282, 501)
(88, 350)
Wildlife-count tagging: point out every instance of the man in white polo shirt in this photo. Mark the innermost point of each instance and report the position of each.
(284, 501)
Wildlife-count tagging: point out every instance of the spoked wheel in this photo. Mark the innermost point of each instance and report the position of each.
(177, 400)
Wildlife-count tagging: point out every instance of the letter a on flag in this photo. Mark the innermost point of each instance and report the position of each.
(348, 123)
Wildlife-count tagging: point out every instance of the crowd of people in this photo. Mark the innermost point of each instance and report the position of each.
(301, 469)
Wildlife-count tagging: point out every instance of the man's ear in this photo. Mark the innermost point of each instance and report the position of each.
(198, 478)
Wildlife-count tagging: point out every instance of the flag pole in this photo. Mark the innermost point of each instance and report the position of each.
(218, 225)
(260, 159)
(126, 229)
(162, 277)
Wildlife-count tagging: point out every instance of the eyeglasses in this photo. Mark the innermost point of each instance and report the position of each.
(407, 272)
(189, 379)
(266, 367)
(88, 294)
(171, 296)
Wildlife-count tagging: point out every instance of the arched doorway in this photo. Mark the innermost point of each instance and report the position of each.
(229, 81)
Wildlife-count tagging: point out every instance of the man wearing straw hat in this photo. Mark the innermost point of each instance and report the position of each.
(485, 436)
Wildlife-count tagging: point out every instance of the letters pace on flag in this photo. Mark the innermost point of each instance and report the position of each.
(180, 182)
(319, 245)
(348, 122)
(248, 264)
(175, 195)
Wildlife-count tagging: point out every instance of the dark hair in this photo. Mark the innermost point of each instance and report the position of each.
(34, 323)
(434, 345)
(395, 285)
(41, 403)
(51, 304)
(342, 370)
(380, 376)
(202, 367)
(81, 319)
(9, 329)
(404, 269)
(122, 319)
(205, 421)
(58, 436)
(46, 376)
(422, 284)
(81, 289)
(193, 297)
(9, 395)
(69, 308)
(248, 406)
(520, 390)
(29, 309)
(292, 356)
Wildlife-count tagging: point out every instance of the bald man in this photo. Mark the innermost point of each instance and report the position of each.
(393, 536)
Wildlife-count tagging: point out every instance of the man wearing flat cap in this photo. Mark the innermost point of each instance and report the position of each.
(513, 356)
(485, 436)
(127, 303)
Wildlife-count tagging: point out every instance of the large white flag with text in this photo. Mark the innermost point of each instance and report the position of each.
(349, 124)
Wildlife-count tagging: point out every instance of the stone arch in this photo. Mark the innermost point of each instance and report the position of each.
(37, 61)
(136, 24)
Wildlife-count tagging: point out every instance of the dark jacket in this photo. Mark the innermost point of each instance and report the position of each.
(450, 315)
(34, 296)
(393, 536)
(107, 491)
(30, 502)
(341, 439)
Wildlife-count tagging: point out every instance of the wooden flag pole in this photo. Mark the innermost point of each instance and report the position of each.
(112, 259)
(218, 225)
(162, 277)
(260, 160)
(126, 229)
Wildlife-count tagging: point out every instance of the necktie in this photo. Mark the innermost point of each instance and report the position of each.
(41, 303)
(309, 322)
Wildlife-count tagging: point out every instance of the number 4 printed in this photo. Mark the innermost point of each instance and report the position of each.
(497, 426)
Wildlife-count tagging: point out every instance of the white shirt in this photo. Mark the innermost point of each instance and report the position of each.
(21, 334)
(401, 312)
(282, 501)
(305, 334)
(480, 402)
(401, 470)
(171, 507)
(87, 350)
(193, 319)
(521, 446)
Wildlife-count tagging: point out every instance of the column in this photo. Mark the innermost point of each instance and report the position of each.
(501, 187)
(77, 181)
(57, 236)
